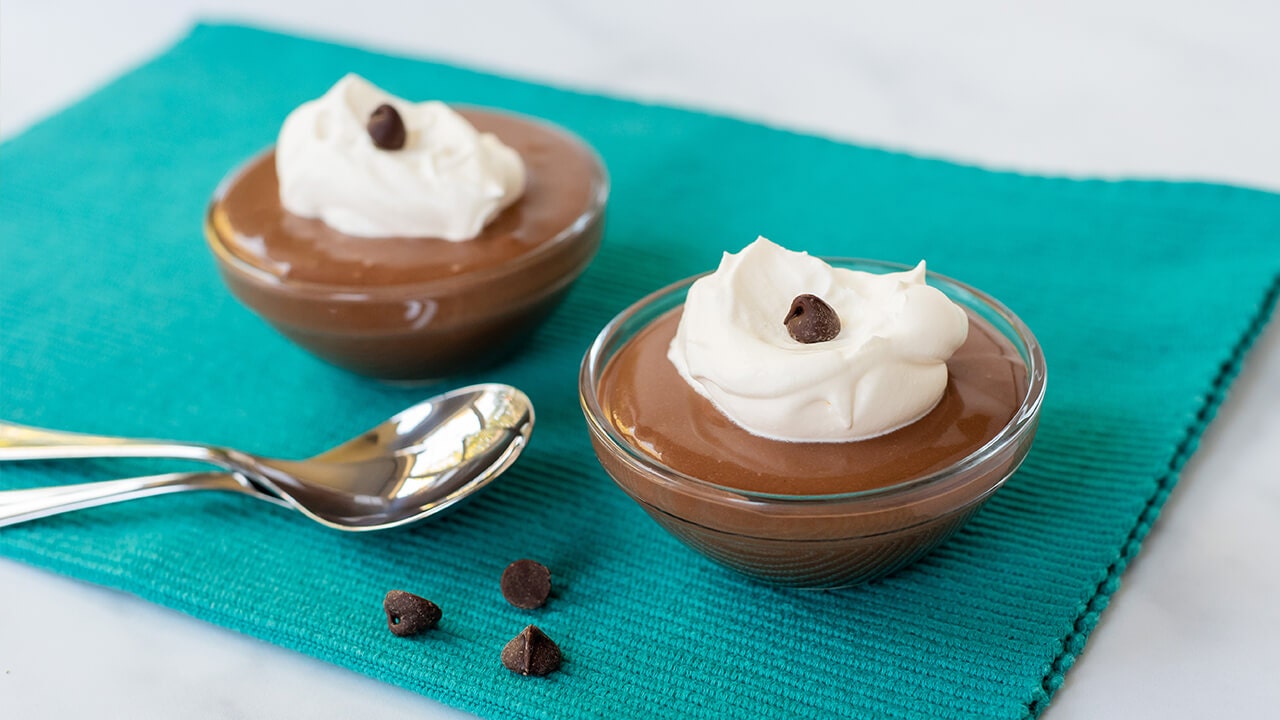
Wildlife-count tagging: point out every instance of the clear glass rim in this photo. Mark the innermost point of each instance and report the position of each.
(594, 211)
(1023, 420)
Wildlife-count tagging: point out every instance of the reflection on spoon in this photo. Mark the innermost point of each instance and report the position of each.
(421, 461)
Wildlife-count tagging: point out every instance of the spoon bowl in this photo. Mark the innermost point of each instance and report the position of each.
(420, 462)
(417, 463)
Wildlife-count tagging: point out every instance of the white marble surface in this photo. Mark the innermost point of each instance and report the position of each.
(1147, 89)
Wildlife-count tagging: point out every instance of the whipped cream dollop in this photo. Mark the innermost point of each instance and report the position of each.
(447, 181)
(885, 369)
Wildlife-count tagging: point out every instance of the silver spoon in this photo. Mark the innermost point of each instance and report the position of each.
(419, 462)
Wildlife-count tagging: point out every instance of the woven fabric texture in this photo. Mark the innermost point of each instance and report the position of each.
(1145, 296)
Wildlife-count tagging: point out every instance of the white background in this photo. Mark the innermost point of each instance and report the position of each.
(1143, 89)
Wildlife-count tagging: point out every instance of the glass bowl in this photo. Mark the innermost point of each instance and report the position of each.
(427, 329)
(816, 541)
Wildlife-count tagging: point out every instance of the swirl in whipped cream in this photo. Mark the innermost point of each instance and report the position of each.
(884, 370)
(448, 181)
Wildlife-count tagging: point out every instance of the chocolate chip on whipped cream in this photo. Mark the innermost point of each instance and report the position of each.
(446, 179)
(884, 369)
(811, 320)
(386, 128)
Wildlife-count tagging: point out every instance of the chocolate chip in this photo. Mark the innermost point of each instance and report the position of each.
(531, 653)
(408, 614)
(526, 584)
(386, 128)
(811, 320)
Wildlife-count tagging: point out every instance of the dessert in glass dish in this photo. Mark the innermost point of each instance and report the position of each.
(811, 422)
(408, 241)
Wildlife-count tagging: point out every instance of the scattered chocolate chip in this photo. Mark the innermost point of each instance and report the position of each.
(526, 584)
(408, 614)
(386, 128)
(811, 320)
(531, 653)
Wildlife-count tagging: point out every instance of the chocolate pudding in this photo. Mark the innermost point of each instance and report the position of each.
(416, 307)
(660, 415)
(810, 514)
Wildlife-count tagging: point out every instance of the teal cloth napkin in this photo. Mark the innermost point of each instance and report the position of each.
(1145, 296)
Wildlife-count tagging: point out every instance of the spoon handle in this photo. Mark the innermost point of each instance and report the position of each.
(20, 442)
(17, 506)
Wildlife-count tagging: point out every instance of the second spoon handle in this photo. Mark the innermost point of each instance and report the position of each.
(17, 506)
(20, 442)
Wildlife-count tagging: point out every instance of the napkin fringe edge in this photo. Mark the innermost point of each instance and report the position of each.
(1073, 642)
